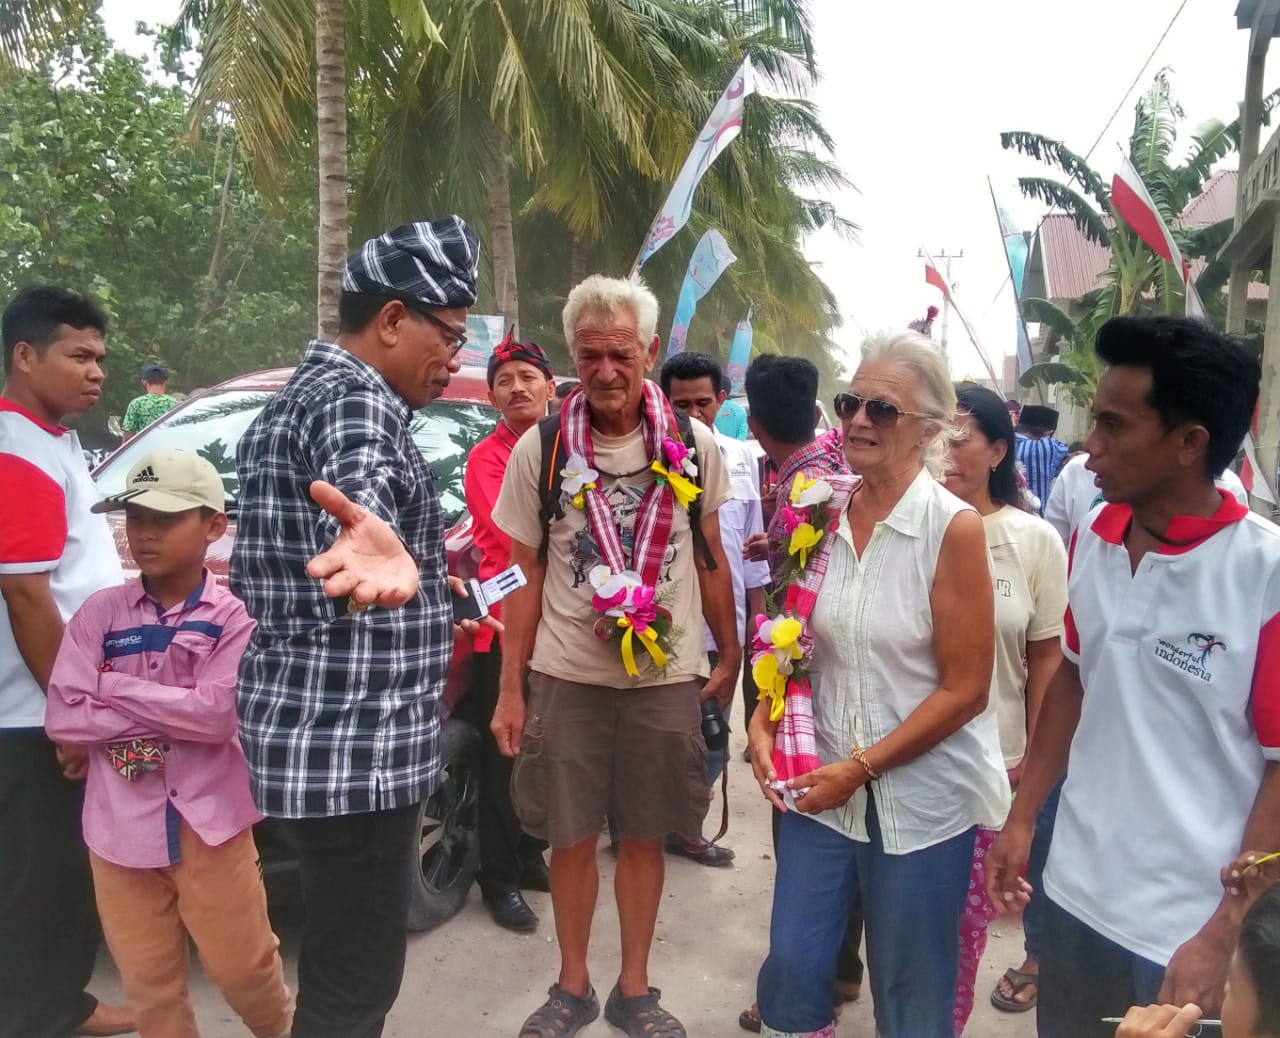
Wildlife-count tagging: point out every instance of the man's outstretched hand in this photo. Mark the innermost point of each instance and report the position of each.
(368, 562)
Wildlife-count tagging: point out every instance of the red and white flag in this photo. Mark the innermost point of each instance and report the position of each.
(1134, 204)
(932, 277)
(1250, 470)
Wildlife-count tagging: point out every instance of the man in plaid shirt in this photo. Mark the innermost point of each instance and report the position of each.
(337, 702)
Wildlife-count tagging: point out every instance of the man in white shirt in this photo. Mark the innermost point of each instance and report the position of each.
(1075, 494)
(1167, 706)
(53, 555)
(694, 383)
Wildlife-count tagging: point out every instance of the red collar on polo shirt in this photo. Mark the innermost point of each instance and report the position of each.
(1189, 530)
(506, 434)
(8, 405)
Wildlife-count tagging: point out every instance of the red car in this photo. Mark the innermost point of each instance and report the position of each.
(211, 424)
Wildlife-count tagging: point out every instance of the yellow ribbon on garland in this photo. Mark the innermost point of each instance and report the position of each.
(579, 499)
(772, 684)
(648, 638)
(685, 489)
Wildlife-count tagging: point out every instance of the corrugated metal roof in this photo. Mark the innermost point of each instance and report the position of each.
(1072, 263)
(1216, 202)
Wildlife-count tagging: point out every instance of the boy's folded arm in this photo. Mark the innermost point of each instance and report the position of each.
(205, 713)
(74, 713)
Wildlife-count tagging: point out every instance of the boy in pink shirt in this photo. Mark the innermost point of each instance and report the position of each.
(146, 679)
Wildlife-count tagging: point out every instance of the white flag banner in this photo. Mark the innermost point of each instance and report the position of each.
(723, 125)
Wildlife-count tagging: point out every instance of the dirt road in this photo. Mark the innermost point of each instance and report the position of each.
(469, 978)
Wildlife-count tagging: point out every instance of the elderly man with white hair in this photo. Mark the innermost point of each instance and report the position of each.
(620, 577)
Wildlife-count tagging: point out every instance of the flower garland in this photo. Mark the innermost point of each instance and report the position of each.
(626, 604)
(782, 644)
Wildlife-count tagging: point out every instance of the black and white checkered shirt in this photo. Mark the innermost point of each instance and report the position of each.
(337, 709)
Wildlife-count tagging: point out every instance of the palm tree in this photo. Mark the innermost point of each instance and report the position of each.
(270, 67)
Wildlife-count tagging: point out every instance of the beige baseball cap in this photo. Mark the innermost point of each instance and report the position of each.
(169, 481)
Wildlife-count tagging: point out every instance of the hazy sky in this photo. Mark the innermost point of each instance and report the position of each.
(916, 95)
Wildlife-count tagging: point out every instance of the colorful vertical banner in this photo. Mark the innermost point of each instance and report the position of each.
(711, 258)
(739, 355)
(723, 125)
(484, 332)
(1015, 254)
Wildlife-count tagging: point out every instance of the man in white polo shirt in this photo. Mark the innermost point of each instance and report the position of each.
(694, 383)
(1168, 702)
(53, 555)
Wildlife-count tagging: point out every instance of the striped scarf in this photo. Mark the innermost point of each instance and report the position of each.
(653, 523)
(795, 748)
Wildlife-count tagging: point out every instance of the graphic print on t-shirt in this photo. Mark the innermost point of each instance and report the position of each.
(625, 500)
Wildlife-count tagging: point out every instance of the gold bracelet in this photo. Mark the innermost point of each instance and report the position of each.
(860, 755)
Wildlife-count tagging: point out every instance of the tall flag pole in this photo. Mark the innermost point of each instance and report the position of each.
(711, 258)
(934, 278)
(723, 125)
(1015, 254)
(1138, 209)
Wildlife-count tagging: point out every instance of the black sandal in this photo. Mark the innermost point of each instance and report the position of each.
(641, 1016)
(562, 1014)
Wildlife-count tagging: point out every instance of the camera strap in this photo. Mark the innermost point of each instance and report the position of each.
(724, 799)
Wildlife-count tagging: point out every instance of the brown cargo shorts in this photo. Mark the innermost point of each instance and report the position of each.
(588, 751)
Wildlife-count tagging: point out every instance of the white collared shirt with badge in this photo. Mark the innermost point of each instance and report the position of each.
(1180, 665)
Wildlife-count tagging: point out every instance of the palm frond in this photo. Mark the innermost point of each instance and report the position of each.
(1052, 193)
(31, 29)
(1051, 373)
(1055, 153)
(1042, 311)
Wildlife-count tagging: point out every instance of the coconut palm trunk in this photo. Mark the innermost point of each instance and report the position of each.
(502, 240)
(331, 148)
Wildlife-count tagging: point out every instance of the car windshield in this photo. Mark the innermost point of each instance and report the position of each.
(212, 426)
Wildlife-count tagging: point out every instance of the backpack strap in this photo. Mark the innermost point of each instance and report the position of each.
(549, 479)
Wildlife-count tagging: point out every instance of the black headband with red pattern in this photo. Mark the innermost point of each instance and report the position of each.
(508, 350)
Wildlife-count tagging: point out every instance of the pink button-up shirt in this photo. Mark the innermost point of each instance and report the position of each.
(129, 669)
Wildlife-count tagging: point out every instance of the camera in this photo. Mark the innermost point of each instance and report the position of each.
(715, 732)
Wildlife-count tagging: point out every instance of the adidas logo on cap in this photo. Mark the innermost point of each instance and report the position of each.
(147, 475)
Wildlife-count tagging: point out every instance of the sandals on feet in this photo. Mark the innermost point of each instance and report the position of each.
(1017, 981)
(561, 1015)
(641, 1016)
(749, 1019)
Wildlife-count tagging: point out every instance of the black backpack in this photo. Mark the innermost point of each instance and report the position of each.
(549, 480)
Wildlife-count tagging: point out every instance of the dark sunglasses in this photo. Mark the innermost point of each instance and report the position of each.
(459, 336)
(880, 413)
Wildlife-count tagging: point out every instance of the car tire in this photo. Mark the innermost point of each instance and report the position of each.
(448, 854)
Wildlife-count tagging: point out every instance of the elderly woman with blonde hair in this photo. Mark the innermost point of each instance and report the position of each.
(875, 745)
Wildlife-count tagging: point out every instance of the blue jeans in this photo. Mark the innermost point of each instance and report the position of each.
(911, 904)
(1084, 977)
(1033, 915)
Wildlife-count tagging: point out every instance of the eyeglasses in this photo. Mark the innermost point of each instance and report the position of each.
(459, 335)
(881, 413)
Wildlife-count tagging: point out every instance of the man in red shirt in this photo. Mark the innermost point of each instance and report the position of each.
(520, 387)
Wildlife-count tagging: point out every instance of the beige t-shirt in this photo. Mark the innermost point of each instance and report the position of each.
(1029, 566)
(567, 646)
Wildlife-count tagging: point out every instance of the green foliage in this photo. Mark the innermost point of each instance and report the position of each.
(99, 191)
(590, 108)
(1136, 279)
